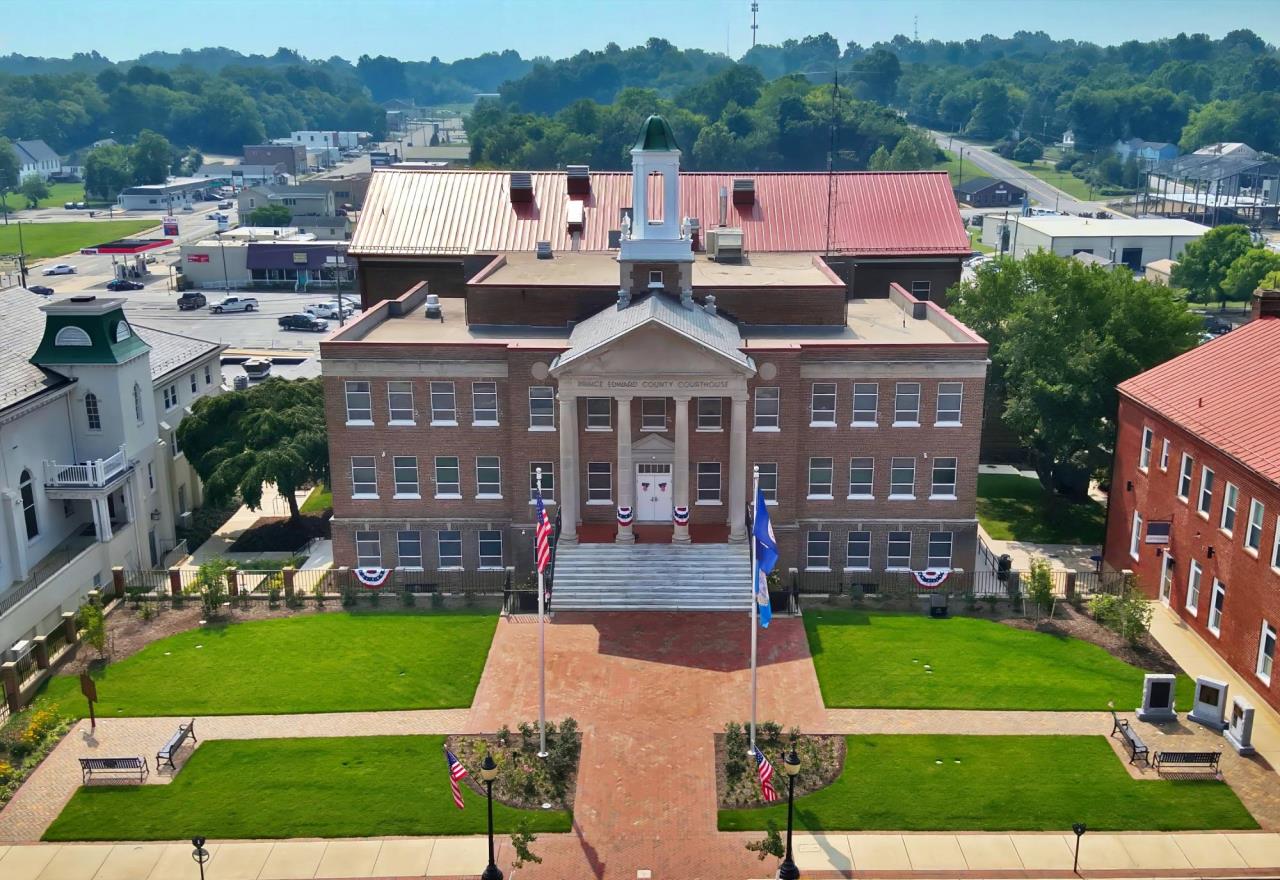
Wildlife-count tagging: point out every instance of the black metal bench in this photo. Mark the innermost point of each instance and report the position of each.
(113, 766)
(169, 749)
(1132, 742)
(1203, 760)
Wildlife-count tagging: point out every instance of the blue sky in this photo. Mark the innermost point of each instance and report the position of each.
(419, 29)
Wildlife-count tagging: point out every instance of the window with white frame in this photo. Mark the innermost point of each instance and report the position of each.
(1275, 547)
(902, 478)
(194, 384)
(151, 477)
(449, 548)
(940, 550)
(1164, 454)
(484, 404)
(708, 482)
(1230, 499)
(818, 551)
(1266, 652)
(767, 409)
(542, 408)
(488, 476)
(93, 415)
(1206, 491)
(400, 402)
(950, 402)
(137, 402)
(409, 549)
(866, 402)
(489, 542)
(898, 551)
(1135, 535)
(769, 482)
(820, 476)
(1144, 456)
(1184, 477)
(405, 468)
(1216, 602)
(710, 413)
(448, 477)
(599, 482)
(862, 471)
(653, 414)
(177, 448)
(858, 552)
(1253, 534)
(944, 478)
(170, 396)
(359, 403)
(906, 404)
(444, 405)
(600, 413)
(368, 550)
(208, 375)
(364, 476)
(822, 405)
(26, 490)
(1194, 573)
(548, 481)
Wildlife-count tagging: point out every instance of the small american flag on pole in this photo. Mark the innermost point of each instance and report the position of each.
(765, 774)
(543, 536)
(457, 772)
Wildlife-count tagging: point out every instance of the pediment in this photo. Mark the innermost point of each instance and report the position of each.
(653, 444)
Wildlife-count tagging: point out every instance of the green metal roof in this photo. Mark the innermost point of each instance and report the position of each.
(90, 338)
(656, 136)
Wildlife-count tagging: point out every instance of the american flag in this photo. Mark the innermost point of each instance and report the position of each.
(543, 536)
(765, 773)
(457, 772)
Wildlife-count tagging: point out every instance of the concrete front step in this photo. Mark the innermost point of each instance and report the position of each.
(656, 577)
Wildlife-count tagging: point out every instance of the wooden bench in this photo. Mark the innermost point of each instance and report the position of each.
(1132, 742)
(112, 766)
(169, 749)
(1201, 760)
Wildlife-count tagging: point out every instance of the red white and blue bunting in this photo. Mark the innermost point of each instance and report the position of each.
(931, 577)
(372, 578)
(625, 516)
(680, 516)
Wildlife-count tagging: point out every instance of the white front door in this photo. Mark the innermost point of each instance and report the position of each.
(1166, 577)
(654, 490)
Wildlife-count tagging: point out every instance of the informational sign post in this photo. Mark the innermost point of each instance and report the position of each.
(90, 690)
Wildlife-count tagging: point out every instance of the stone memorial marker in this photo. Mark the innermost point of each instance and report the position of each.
(1210, 703)
(1157, 698)
(1240, 727)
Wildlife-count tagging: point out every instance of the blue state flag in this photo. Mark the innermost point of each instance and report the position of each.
(766, 546)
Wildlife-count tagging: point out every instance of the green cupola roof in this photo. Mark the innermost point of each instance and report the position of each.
(87, 330)
(656, 136)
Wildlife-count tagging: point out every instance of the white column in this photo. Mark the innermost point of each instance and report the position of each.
(102, 518)
(738, 470)
(626, 470)
(568, 468)
(681, 475)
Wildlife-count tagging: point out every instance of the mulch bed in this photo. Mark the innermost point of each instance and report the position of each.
(1147, 654)
(524, 780)
(279, 533)
(821, 763)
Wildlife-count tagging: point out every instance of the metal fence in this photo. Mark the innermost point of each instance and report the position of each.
(980, 584)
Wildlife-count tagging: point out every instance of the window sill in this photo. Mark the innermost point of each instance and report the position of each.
(545, 429)
(448, 496)
(1185, 499)
(822, 424)
(1251, 551)
(410, 568)
(710, 430)
(1216, 633)
(817, 568)
(897, 568)
(1203, 514)
(451, 568)
(906, 424)
(773, 503)
(402, 422)
(1226, 533)
(408, 496)
(484, 424)
(444, 423)
(489, 568)
(359, 423)
(902, 498)
(948, 424)
(1144, 470)
(1134, 557)
(856, 568)
(860, 497)
(363, 496)
(819, 497)
(766, 429)
(942, 497)
(488, 496)
(1265, 679)
(600, 502)
(708, 504)
(591, 430)
(1193, 610)
(864, 424)
(653, 430)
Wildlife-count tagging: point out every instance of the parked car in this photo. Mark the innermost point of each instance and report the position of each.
(80, 206)
(1216, 326)
(68, 206)
(123, 284)
(235, 304)
(41, 289)
(225, 205)
(303, 322)
(330, 310)
(60, 269)
(191, 300)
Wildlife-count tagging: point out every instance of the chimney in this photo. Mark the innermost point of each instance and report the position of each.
(1266, 303)
(724, 206)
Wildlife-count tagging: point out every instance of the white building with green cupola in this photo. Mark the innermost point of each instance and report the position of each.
(91, 476)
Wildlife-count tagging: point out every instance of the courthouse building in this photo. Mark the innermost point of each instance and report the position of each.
(646, 369)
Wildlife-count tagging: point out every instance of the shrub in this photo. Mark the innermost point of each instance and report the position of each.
(770, 845)
(94, 625)
(211, 584)
(1128, 613)
(521, 839)
(1040, 586)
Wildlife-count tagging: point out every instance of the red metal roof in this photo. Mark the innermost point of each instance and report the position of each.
(1226, 391)
(428, 211)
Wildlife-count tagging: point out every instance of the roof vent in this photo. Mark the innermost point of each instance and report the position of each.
(521, 187)
(544, 250)
(709, 304)
(433, 306)
(575, 215)
(744, 191)
(84, 298)
(578, 178)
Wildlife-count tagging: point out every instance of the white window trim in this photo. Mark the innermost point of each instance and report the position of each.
(1182, 469)
(1145, 447)
(906, 424)
(1218, 588)
(1135, 536)
(942, 497)
(819, 497)
(860, 498)
(767, 429)
(863, 424)
(484, 424)
(1194, 607)
(360, 423)
(1262, 640)
(443, 423)
(902, 498)
(1234, 508)
(1204, 514)
(448, 496)
(948, 424)
(364, 496)
(1275, 547)
(1164, 455)
(1254, 503)
(408, 496)
(396, 422)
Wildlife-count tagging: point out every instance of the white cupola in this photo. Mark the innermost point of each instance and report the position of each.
(657, 231)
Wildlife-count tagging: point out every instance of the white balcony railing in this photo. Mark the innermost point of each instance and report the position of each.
(87, 475)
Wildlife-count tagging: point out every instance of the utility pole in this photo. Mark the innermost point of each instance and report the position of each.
(755, 7)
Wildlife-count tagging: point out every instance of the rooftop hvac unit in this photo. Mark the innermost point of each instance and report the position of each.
(744, 191)
(725, 245)
(433, 306)
(575, 215)
(521, 187)
(578, 178)
(544, 250)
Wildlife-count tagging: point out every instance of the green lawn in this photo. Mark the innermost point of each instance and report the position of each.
(998, 783)
(1017, 508)
(56, 239)
(975, 241)
(878, 659)
(320, 500)
(333, 662)
(1063, 180)
(951, 165)
(275, 788)
(61, 193)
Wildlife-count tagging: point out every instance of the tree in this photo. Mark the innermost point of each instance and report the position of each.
(94, 624)
(8, 170)
(993, 115)
(270, 215)
(1028, 150)
(1204, 263)
(271, 433)
(107, 171)
(1062, 335)
(150, 158)
(1246, 273)
(34, 188)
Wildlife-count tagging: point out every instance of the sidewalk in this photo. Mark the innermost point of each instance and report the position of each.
(1061, 557)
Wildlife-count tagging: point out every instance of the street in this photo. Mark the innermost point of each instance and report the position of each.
(991, 165)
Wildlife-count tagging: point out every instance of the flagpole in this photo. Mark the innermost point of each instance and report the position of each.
(542, 640)
(755, 498)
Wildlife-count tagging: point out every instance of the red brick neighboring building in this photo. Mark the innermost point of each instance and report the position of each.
(650, 377)
(1195, 491)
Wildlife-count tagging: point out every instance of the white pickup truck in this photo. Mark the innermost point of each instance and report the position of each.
(234, 304)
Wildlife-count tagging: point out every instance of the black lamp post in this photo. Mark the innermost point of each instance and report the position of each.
(1079, 828)
(791, 763)
(200, 854)
(489, 772)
